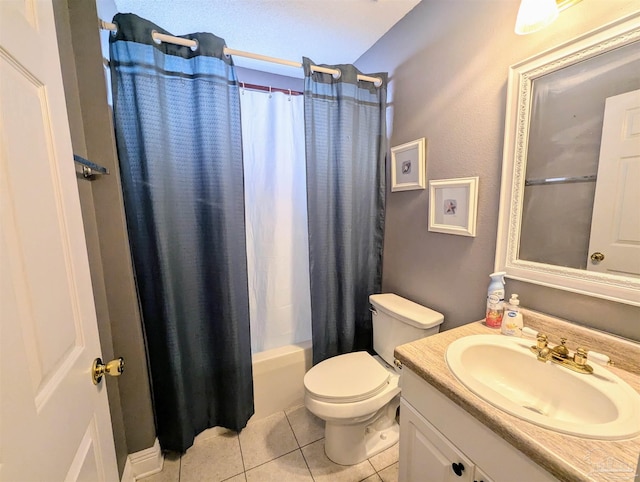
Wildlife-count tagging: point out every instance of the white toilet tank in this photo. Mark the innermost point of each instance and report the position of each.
(397, 321)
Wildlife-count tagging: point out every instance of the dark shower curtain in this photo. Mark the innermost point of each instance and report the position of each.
(345, 132)
(178, 131)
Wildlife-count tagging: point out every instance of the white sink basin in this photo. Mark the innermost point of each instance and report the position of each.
(504, 372)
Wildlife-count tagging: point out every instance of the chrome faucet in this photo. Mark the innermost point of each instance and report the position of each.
(560, 354)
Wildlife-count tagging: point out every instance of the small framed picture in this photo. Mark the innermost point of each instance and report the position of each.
(408, 166)
(453, 206)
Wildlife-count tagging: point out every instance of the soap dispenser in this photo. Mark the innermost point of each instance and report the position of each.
(512, 319)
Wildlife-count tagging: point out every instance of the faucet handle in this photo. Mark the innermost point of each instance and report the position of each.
(541, 341)
(580, 356)
(580, 361)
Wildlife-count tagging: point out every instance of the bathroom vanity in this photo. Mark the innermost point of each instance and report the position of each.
(449, 433)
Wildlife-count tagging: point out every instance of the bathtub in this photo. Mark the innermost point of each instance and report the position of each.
(278, 378)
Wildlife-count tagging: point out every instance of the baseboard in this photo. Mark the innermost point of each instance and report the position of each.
(144, 463)
(127, 473)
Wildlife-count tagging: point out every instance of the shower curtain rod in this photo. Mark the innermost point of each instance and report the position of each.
(192, 44)
(268, 88)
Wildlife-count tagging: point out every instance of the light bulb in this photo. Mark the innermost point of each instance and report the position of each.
(534, 15)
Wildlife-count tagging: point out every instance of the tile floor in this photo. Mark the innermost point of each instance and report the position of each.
(286, 446)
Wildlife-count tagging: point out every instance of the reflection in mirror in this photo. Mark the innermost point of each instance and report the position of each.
(563, 152)
(571, 158)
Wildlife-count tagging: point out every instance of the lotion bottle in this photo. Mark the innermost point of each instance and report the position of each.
(512, 319)
(495, 300)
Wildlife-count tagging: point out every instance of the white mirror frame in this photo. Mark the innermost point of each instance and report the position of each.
(521, 76)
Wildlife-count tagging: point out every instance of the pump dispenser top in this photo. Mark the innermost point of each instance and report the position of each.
(495, 300)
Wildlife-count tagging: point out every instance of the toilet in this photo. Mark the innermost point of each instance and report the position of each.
(357, 394)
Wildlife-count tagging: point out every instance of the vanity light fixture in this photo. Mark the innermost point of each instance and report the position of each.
(535, 15)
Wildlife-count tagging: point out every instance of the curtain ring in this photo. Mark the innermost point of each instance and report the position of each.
(270, 92)
(242, 89)
(156, 40)
(289, 95)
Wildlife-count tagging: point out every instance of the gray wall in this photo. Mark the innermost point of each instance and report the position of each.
(267, 79)
(448, 61)
(103, 215)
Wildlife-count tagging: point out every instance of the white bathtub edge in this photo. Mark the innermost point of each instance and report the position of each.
(278, 378)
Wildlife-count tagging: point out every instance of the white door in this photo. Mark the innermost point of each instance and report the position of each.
(54, 423)
(614, 245)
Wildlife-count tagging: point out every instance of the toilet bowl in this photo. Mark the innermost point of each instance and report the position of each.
(357, 394)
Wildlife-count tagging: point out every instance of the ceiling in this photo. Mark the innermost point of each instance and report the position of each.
(326, 31)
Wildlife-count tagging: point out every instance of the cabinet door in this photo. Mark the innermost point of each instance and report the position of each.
(426, 455)
(480, 476)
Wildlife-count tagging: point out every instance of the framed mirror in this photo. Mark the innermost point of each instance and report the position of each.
(570, 197)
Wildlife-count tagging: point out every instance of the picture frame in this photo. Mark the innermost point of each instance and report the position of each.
(453, 206)
(408, 166)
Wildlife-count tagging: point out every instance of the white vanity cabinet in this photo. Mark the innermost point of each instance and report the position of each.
(439, 441)
(426, 455)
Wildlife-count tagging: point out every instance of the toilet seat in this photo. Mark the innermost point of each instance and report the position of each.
(348, 378)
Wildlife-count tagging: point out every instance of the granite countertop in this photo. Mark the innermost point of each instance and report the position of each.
(564, 456)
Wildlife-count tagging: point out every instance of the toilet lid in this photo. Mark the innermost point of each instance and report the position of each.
(346, 378)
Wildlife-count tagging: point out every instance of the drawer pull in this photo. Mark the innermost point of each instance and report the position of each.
(458, 468)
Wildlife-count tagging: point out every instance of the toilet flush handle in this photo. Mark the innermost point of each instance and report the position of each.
(397, 363)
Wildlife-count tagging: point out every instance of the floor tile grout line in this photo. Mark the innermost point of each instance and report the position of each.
(385, 467)
(300, 446)
(375, 471)
(307, 444)
(229, 478)
(275, 458)
(307, 464)
(244, 467)
(292, 430)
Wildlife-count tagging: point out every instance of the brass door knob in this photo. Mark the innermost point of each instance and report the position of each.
(597, 257)
(114, 368)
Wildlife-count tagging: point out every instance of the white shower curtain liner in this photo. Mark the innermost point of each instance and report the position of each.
(276, 219)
